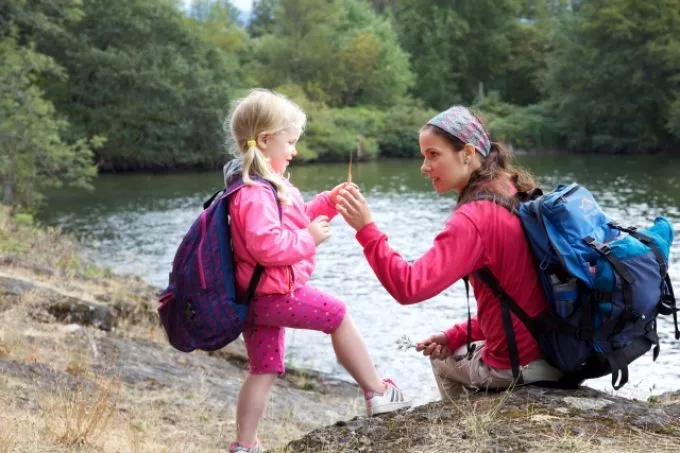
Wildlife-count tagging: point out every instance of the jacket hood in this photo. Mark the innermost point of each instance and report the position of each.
(232, 170)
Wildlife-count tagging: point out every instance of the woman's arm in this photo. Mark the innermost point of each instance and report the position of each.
(457, 335)
(456, 252)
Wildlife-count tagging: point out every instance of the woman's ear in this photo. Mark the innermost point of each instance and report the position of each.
(468, 153)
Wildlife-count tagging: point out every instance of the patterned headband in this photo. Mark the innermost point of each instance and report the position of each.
(460, 122)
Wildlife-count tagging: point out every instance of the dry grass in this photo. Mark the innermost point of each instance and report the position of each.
(8, 437)
(47, 246)
(280, 426)
(630, 442)
(83, 414)
(100, 413)
(493, 423)
(104, 415)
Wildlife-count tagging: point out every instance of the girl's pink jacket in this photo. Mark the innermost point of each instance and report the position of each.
(284, 247)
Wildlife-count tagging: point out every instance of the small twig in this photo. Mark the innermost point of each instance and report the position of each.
(349, 168)
(93, 344)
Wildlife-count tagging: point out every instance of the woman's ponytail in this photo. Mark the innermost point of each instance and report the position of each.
(489, 176)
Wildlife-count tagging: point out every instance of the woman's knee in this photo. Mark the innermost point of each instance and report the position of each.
(447, 383)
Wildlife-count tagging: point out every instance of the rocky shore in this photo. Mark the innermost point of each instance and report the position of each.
(84, 366)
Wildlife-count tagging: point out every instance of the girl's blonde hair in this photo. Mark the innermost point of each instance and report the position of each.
(262, 112)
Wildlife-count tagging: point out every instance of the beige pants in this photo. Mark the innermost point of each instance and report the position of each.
(453, 374)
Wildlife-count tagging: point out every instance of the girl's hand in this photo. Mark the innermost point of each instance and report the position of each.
(353, 207)
(435, 347)
(320, 229)
(336, 190)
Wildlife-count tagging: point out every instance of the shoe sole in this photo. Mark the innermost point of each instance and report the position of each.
(389, 407)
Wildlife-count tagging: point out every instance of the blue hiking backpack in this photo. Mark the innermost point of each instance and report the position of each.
(604, 288)
(200, 308)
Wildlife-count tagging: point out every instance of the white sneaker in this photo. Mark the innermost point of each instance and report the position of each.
(390, 400)
(236, 447)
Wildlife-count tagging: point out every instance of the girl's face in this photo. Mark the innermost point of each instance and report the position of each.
(280, 148)
(446, 168)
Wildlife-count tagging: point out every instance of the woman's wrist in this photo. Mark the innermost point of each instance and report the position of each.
(366, 233)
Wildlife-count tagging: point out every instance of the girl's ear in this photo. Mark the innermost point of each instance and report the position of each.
(262, 140)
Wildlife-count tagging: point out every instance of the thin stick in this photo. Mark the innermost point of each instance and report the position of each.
(349, 169)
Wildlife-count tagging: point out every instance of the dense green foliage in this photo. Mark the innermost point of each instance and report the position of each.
(146, 84)
(33, 150)
(614, 75)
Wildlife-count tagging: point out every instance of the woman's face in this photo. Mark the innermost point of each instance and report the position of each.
(446, 168)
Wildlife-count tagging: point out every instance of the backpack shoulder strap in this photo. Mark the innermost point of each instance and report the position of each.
(509, 203)
(505, 202)
(232, 188)
(509, 305)
(238, 184)
(209, 201)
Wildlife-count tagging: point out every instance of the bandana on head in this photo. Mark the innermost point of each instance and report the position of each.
(462, 124)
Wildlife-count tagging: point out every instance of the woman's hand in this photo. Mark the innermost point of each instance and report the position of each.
(336, 190)
(435, 347)
(353, 207)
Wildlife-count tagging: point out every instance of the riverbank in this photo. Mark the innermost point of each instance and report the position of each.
(85, 367)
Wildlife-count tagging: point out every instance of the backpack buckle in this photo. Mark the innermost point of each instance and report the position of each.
(599, 246)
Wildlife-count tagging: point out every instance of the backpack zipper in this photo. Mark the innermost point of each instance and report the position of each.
(201, 273)
(165, 297)
(569, 192)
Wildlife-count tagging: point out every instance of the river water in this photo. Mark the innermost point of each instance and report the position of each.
(133, 223)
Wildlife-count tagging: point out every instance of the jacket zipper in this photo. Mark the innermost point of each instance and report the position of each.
(201, 272)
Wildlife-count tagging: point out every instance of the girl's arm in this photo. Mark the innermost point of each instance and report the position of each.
(457, 251)
(257, 214)
(321, 205)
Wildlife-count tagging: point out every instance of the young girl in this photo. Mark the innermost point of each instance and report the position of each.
(265, 128)
(459, 156)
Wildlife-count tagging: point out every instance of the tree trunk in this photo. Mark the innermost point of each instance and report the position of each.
(7, 192)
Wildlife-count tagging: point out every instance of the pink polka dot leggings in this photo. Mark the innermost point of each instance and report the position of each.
(264, 334)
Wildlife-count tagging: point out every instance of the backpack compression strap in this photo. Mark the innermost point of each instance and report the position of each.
(668, 304)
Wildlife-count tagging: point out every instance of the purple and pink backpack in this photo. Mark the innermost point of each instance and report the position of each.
(200, 308)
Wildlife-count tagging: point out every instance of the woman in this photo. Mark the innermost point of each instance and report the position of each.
(458, 155)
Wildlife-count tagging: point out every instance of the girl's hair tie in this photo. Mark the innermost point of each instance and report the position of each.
(251, 144)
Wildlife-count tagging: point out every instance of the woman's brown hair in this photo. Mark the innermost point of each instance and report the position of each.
(487, 178)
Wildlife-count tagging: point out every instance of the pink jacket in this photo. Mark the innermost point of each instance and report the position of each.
(284, 247)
